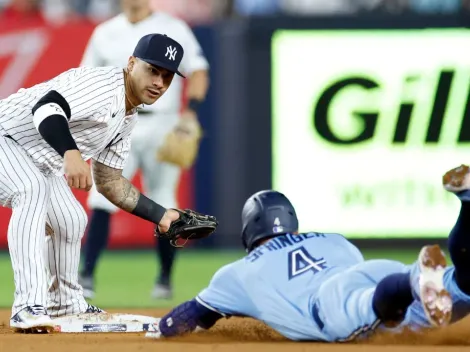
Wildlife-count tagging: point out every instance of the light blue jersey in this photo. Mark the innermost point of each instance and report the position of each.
(312, 286)
(278, 282)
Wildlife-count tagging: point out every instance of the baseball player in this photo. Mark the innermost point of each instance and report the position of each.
(109, 45)
(317, 286)
(51, 130)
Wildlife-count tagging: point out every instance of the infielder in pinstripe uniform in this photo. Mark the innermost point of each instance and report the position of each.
(160, 179)
(51, 130)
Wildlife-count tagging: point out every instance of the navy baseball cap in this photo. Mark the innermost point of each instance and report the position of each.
(160, 50)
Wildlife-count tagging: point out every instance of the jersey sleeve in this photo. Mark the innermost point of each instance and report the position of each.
(115, 155)
(225, 293)
(88, 91)
(91, 55)
(193, 58)
(357, 254)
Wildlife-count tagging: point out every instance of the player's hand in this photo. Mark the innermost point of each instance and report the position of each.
(183, 127)
(188, 114)
(170, 216)
(77, 171)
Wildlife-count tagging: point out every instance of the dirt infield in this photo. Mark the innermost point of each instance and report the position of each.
(227, 336)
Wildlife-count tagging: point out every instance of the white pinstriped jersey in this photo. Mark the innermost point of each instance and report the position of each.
(98, 122)
(113, 40)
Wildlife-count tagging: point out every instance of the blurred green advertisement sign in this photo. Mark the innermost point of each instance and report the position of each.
(364, 125)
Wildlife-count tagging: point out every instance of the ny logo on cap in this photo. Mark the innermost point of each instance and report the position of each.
(172, 52)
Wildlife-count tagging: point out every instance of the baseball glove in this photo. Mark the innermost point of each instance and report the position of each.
(181, 145)
(190, 225)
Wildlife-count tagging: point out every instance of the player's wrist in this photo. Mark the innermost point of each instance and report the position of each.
(167, 219)
(72, 153)
(171, 214)
(149, 210)
(194, 104)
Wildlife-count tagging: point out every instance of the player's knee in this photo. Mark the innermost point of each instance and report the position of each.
(82, 219)
(75, 223)
(79, 231)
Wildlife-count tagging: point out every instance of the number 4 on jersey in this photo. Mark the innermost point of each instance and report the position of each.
(300, 262)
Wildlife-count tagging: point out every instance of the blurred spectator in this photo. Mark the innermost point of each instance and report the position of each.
(101, 10)
(318, 7)
(393, 7)
(191, 11)
(57, 11)
(256, 7)
(20, 11)
(222, 9)
(466, 5)
(435, 6)
(81, 6)
(205, 11)
(95, 10)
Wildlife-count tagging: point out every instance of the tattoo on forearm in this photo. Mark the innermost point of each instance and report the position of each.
(117, 189)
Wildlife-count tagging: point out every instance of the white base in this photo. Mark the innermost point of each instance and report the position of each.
(103, 323)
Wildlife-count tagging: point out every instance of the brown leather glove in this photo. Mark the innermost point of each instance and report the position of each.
(181, 145)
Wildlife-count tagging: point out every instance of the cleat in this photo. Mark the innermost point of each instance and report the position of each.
(427, 283)
(161, 291)
(93, 310)
(457, 181)
(32, 320)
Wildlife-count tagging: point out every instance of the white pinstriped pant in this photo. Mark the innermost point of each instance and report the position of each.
(45, 267)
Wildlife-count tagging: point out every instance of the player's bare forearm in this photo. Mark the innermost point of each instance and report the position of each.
(120, 191)
(115, 187)
(198, 85)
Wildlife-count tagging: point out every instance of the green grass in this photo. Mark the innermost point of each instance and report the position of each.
(125, 279)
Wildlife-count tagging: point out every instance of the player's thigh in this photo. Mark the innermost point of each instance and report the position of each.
(96, 200)
(8, 188)
(161, 181)
(344, 304)
(65, 213)
(20, 179)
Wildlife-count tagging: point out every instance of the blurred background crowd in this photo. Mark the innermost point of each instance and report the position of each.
(206, 11)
